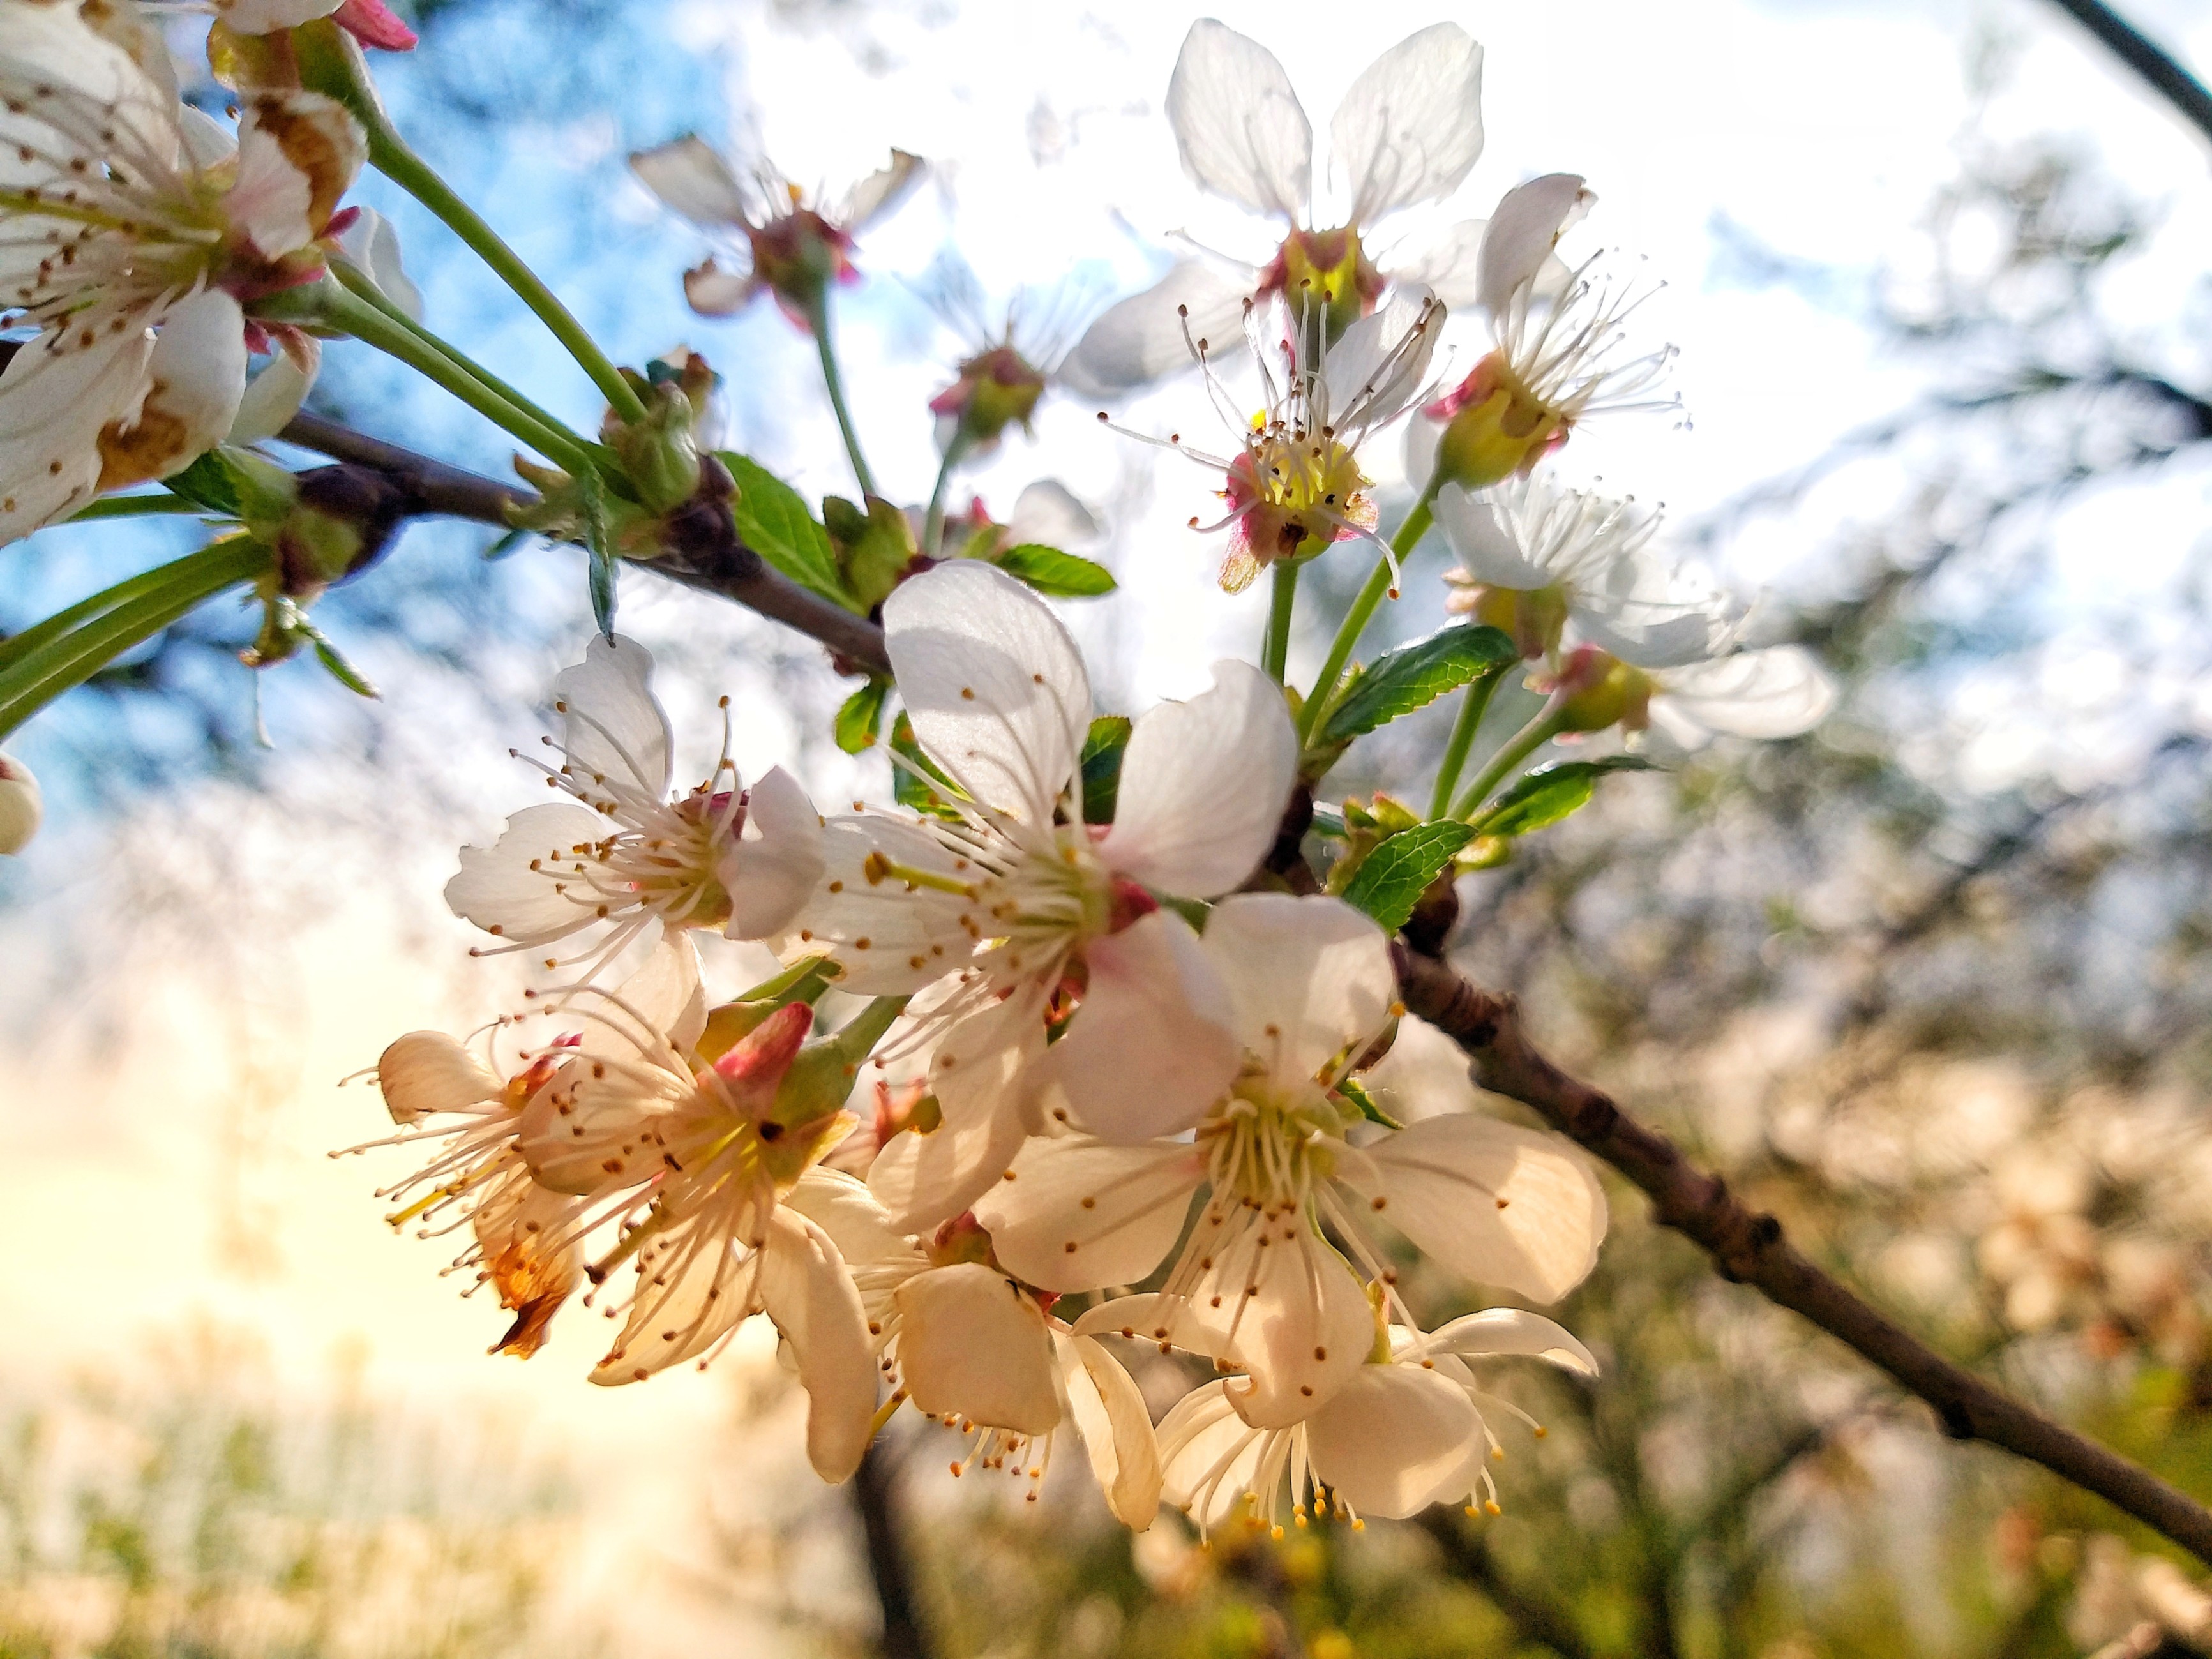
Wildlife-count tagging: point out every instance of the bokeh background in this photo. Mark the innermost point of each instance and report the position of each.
(1931, 983)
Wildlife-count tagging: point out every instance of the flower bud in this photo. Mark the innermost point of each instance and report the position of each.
(22, 809)
(340, 523)
(1533, 619)
(796, 256)
(1494, 428)
(874, 547)
(996, 389)
(659, 453)
(1595, 689)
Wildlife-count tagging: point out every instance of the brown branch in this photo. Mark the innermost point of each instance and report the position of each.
(1748, 1246)
(722, 565)
(875, 1495)
(2147, 58)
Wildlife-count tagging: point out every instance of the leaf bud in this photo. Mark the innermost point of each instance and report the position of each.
(659, 452)
(874, 545)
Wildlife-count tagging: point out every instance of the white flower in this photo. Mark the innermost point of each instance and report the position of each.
(1256, 1282)
(1779, 691)
(973, 1347)
(785, 248)
(129, 233)
(1007, 903)
(624, 851)
(1536, 558)
(22, 809)
(1407, 132)
(1406, 1431)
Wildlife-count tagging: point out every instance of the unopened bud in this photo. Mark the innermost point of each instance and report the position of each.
(996, 388)
(874, 546)
(342, 521)
(1595, 689)
(1494, 426)
(1533, 619)
(22, 808)
(659, 453)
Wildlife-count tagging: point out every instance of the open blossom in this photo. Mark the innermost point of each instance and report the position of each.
(1541, 561)
(131, 229)
(1293, 485)
(780, 245)
(1257, 1282)
(623, 851)
(1407, 132)
(999, 914)
(1777, 691)
(969, 1345)
(1406, 1431)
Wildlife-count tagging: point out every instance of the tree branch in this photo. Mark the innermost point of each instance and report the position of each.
(1467, 1556)
(726, 566)
(875, 1493)
(1748, 1247)
(2147, 59)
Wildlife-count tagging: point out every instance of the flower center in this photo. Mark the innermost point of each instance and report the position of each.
(1267, 1146)
(1327, 281)
(1295, 492)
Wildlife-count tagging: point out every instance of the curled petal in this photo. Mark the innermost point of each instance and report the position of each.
(273, 396)
(1209, 1456)
(298, 153)
(373, 246)
(21, 807)
(807, 1291)
(879, 194)
(1410, 130)
(1530, 221)
(971, 1343)
(427, 1071)
(773, 867)
(1241, 129)
(1499, 1331)
(1117, 1430)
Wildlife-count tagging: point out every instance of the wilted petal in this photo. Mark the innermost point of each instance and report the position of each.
(1240, 127)
(427, 1071)
(1078, 1215)
(1306, 976)
(1203, 786)
(1501, 1331)
(691, 177)
(1117, 1430)
(1492, 1202)
(994, 685)
(1776, 692)
(617, 734)
(807, 1291)
(1395, 1439)
(773, 867)
(1150, 1050)
(1530, 221)
(1411, 127)
(972, 1344)
(194, 381)
(1139, 339)
(298, 153)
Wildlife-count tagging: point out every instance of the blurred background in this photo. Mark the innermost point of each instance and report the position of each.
(1932, 984)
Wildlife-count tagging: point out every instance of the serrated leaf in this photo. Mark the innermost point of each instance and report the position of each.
(1393, 877)
(931, 793)
(1050, 571)
(1414, 676)
(773, 520)
(861, 718)
(1102, 766)
(1544, 796)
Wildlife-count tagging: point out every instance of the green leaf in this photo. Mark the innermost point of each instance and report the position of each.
(1414, 676)
(339, 669)
(773, 519)
(1062, 576)
(932, 791)
(1395, 875)
(1102, 766)
(207, 483)
(599, 544)
(1546, 796)
(861, 718)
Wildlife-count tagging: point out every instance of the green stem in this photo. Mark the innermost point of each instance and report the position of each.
(328, 303)
(132, 507)
(1550, 721)
(62, 661)
(817, 319)
(389, 154)
(1276, 654)
(1362, 611)
(362, 286)
(16, 646)
(932, 523)
(1472, 708)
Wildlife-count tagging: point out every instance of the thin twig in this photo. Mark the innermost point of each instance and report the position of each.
(875, 1495)
(1748, 1246)
(2147, 58)
(726, 566)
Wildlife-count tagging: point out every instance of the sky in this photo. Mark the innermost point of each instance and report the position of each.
(169, 1128)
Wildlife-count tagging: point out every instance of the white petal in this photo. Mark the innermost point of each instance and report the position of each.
(1117, 1430)
(1493, 1202)
(427, 1071)
(498, 890)
(772, 869)
(1776, 692)
(615, 730)
(924, 1179)
(1304, 1334)
(1079, 1214)
(1240, 127)
(1307, 976)
(876, 196)
(1451, 266)
(1203, 786)
(1651, 616)
(194, 381)
(372, 245)
(1137, 340)
(807, 1291)
(1483, 538)
(843, 1207)
(664, 995)
(273, 396)
(1530, 220)
(298, 153)
(1150, 1051)
(970, 1343)
(1049, 512)
(21, 807)
(913, 937)
(56, 396)
(994, 685)
(693, 1287)
(1410, 128)
(1208, 1456)
(712, 291)
(1379, 363)
(1515, 1331)
(206, 140)
(1395, 1439)
(691, 177)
